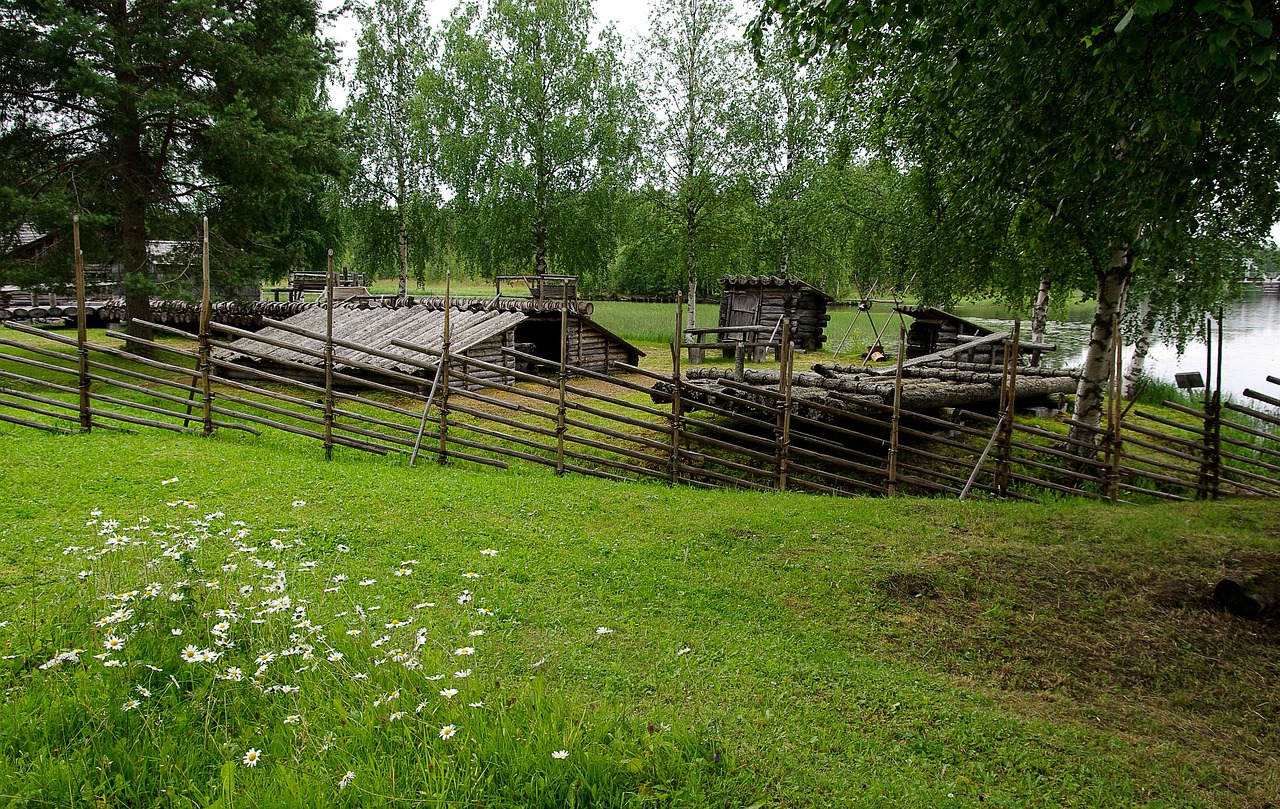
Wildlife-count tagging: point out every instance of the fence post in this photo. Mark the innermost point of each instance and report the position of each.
(206, 316)
(1117, 412)
(1202, 485)
(675, 392)
(328, 361)
(1213, 423)
(82, 331)
(444, 371)
(892, 483)
(560, 382)
(784, 415)
(1009, 407)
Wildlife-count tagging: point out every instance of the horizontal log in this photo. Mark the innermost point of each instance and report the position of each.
(21, 422)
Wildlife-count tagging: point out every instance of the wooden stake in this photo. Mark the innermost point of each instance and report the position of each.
(676, 416)
(444, 370)
(1117, 410)
(784, 414)
(82, 332)
(892, 483)
(1215, 427)
(562, 378)
(1009, 401)
(206, 315)
(328, 361)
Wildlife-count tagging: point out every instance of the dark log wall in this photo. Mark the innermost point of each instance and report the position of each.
(594, 350)
(490, 351)
(925, 336)
(806, 308)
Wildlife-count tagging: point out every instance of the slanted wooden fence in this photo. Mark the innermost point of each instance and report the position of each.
(636, 423)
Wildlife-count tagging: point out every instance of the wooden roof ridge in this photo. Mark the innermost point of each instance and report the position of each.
(772, 281)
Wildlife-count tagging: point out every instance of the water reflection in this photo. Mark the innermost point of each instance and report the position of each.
(1250, 338)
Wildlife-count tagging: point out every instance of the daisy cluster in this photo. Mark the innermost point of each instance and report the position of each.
(289, 645)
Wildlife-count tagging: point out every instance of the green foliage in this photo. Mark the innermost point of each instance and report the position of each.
(536, 128)
(392, 192)
(144, 116)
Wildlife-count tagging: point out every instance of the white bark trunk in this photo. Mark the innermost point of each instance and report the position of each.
(1141, 348)
(1096, 370)
(404, 257)
(1040, 315)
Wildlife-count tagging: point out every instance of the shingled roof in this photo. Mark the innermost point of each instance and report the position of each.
(375, 328)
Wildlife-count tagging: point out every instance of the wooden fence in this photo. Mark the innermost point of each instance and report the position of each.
(638, 424)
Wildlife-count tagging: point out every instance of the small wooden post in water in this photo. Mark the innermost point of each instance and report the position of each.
(897, 413)
(443, 368)
(561, 380)
(675, 392)
(328, 361)
(82, 331)
(206, 315)
(784, 415)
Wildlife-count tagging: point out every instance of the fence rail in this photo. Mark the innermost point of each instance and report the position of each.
(638, 425)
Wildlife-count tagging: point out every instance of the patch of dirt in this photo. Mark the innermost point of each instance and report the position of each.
(908, 585)
(1098, 634)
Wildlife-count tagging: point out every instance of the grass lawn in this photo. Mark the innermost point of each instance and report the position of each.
(630, 644)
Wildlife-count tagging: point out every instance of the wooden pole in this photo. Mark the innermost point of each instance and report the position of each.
(784, 415)
(426, 409)
(892, 483)
(82, 332)
(1202, 488)
(1117, 413)
(1215, 429)
(1009, 401)
(561, 380)
(444, 371)
(206, 315)
(328, 361)
(676, 404)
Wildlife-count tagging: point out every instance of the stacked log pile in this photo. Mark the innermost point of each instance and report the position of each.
(924, 389)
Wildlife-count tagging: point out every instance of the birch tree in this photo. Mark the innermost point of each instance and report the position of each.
(394, 160)
(1134, 126)
(696, 68)
(532, 118)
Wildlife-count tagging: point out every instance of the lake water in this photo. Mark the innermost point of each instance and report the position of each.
(1250, 344)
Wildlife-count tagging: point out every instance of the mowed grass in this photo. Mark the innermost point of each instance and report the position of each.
(760, 649)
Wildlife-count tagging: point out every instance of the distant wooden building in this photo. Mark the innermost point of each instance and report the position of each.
(479, 330)
(933, 330)
(763, 300)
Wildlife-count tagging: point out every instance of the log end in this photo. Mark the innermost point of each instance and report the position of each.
(1232, 595)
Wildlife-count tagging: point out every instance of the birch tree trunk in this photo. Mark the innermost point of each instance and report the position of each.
(403, 292)
(1096, 371)
(691, 257)
(1040, 315)
(1141, 348)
